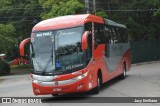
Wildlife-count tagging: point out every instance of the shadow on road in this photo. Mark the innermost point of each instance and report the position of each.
(112, 82)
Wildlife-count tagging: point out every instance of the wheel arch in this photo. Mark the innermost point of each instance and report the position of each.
(125, 64)
(99, 73)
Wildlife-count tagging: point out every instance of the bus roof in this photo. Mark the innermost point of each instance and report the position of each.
(66, 21)
(112, 23)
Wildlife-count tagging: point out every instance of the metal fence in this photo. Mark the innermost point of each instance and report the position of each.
(145, 51)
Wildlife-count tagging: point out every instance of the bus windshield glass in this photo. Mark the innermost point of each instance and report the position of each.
(58, 51)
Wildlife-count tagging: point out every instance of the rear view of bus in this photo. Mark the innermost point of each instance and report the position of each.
(74, 53)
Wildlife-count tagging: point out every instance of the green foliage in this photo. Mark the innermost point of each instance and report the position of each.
(21, 15)
(24, 14)
(49, 3)
(3, 3)
(157, 4)
(60, 8)
(139, 17)
(7, 37)
(4, 67)
(102, 14)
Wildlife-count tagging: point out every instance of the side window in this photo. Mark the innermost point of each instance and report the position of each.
(102, 34)
(107, 34)
(119, 35)
(98, 32)
(114, 37)
(123, 35)
(88, 27)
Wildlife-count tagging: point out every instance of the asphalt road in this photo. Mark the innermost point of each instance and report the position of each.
(142, 81)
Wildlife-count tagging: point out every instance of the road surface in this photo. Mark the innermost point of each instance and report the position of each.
(142, 81)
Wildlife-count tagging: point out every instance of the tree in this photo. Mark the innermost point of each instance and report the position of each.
(17, 18)
(23, 14)
(102, 14)
(55, 8)
(7, 37)
(157, 4)
(138, 15)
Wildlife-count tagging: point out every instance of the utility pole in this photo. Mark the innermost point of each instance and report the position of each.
(94, 6)
(108, 3)
(87, 6)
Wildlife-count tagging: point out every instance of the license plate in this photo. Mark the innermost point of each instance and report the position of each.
(57, 89)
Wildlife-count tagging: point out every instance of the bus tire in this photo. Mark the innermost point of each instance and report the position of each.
(123, 75)
(99, 83)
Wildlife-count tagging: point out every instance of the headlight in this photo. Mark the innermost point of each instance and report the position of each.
(81, 76)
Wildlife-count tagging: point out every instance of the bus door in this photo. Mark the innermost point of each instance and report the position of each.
(90, 50)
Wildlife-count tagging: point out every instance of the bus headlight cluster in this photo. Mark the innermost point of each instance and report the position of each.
(81, 76)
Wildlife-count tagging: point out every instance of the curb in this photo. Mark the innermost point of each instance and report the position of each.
(150, 62)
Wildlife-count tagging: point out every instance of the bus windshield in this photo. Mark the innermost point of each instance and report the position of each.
(57, 52)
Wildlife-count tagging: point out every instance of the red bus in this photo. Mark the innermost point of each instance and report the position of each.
(76, 53)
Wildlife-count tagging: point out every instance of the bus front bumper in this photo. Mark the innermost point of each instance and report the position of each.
(61, 87)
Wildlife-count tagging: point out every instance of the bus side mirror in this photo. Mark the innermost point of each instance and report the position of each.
(85, 40)
(21, 46)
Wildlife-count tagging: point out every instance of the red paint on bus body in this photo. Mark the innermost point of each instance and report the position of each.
(66, 21)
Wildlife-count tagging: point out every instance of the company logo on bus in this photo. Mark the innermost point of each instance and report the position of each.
(56, 83)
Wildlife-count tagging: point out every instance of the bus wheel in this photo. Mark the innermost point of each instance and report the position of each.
(99, 83)
(123, 75)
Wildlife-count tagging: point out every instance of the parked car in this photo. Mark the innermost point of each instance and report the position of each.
(4, 67)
